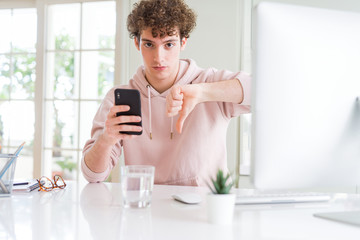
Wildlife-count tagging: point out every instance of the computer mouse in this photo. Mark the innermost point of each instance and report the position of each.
(188, 198)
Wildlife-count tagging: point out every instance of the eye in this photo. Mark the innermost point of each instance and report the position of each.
(170, 45)
(148, 45)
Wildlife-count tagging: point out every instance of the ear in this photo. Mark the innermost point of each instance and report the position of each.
(137, 44)
(183, 43)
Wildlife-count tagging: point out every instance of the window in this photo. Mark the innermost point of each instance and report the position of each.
(17, 82)
(79, 72)
(79, 52)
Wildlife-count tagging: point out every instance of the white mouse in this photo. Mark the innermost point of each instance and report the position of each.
(188, 198)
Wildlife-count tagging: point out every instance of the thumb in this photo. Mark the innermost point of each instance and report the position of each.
(180, 122)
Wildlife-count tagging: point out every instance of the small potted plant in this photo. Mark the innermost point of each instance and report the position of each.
(221, 202)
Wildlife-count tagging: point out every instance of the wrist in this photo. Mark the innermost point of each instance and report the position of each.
(106, 141)
(197, 92)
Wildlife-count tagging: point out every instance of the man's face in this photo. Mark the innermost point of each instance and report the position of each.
(160, 58)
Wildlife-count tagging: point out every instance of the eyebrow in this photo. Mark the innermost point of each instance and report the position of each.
(170, 40)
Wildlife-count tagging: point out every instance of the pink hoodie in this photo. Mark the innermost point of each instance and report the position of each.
(189, 158)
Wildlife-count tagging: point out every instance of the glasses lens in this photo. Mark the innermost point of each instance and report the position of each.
(59, 181)
(45, 184)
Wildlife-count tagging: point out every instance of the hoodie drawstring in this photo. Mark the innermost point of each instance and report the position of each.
(150, 128)
(171, 128)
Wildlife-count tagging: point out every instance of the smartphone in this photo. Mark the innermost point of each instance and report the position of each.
(130, 97)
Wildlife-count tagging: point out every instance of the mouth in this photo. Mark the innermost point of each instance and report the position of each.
(159, 68)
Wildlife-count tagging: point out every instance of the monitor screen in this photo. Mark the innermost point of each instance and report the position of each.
(306, 91)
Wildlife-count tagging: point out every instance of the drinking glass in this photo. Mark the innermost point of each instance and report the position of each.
(137, 183)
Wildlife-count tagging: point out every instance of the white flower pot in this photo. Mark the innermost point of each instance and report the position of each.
(220, 208)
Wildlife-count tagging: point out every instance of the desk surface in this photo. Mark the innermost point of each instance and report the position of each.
(94, 211)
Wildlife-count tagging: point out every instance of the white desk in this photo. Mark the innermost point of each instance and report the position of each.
(94, 211)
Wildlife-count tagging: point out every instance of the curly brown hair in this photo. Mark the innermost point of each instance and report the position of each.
(163, 17)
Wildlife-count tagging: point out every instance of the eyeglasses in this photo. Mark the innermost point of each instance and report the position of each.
(46, 184)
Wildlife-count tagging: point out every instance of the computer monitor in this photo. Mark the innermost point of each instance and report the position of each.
(306, 90)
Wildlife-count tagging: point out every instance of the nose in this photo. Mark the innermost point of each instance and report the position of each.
(159, 55)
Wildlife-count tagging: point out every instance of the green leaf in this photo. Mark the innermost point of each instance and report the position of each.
(216, 185)
(211, 189)
(220, 183)
(228, 188)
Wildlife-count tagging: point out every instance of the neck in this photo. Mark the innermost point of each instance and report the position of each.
(161, 85)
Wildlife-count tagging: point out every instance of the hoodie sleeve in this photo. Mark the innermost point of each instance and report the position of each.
(233, 109)
(97, 129)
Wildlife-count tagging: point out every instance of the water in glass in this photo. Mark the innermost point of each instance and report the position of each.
(137, 189)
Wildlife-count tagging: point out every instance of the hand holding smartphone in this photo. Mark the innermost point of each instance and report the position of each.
(130, 97)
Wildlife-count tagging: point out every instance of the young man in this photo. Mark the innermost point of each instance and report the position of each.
(173, 91)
